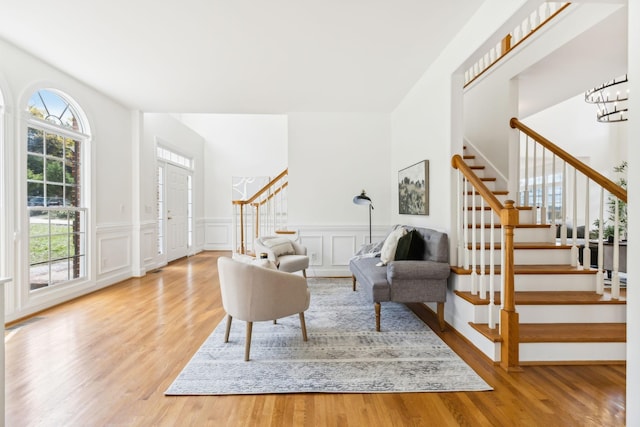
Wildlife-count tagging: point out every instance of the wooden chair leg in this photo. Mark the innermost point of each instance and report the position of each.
(304, 273)
(441, 316)
(353, 278)
(226, 333)
(303, 326)
(275, 321)
(247, 343)
(377, 307)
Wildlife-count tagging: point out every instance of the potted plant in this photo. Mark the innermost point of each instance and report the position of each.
(609, 230)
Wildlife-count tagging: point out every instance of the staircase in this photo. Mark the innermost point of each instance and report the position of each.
(561, 317)
(262, 214)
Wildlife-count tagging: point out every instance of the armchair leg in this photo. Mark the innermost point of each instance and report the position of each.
(441, 316)
(226, 333)
(353, 278)
(247, 343)
(303, 326)
(377, 308)
(304, 273)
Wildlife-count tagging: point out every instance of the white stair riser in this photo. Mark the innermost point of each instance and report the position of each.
(526, 216)
(531, 282)
(553, 352)
(539, 235)
(528, 256)
(584, 313)
(501, 197)
(571, 313)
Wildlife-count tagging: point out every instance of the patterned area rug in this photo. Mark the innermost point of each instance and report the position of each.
(344, 353)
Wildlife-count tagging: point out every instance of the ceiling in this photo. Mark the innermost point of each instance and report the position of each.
(240, 56)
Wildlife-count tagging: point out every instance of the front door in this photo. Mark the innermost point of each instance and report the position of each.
(177, 200)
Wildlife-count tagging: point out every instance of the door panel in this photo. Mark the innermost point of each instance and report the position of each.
(177, 227)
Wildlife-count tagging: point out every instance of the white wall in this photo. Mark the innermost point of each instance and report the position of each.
(332, 158)
(110, 181)
(633, 292)
(428, 122)
(235, 145)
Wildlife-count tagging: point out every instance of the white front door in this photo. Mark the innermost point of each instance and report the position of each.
(177, 200)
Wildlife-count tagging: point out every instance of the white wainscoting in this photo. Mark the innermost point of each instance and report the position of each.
(329, 246)
(217, 234)
(113, 245)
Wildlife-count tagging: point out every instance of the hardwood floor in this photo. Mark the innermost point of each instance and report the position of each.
(107, 358)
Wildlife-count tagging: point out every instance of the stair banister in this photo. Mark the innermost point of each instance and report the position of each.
(594, 175)
(509, 218)
(259, 214)
(618, 192)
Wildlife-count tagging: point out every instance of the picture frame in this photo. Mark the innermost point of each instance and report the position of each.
(413, 189)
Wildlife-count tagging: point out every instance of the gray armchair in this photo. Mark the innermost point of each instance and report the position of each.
(288, 256)
(253, 293)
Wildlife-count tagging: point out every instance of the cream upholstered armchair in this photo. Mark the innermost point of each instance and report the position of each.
(288, 255)
(253, 293)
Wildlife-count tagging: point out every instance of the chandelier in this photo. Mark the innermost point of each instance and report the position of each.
(611, 100)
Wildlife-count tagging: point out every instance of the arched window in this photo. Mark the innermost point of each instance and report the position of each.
(55, 191)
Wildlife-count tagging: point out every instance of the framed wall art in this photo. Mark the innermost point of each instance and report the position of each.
(413, 189)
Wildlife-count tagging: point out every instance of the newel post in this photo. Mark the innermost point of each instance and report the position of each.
(509, 319)
(242, 249)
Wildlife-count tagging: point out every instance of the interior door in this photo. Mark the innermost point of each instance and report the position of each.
(177, 199)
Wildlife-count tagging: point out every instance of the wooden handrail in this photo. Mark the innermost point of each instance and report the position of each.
(262, 190)
(592, 174)
(458, 163)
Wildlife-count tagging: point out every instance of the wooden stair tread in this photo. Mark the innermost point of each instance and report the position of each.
(531, 269)
(477, 167)
(517, 226)
(562, 332)
(495, 193)
(551, 298)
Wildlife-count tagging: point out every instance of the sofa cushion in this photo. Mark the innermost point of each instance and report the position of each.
(410, 246)
(279, 246)
(390, 245)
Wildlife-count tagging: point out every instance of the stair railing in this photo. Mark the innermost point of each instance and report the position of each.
(532, 23)
(264, 213)
(556, 211)
(469, 184)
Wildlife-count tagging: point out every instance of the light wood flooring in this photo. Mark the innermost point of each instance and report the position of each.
(106, 359)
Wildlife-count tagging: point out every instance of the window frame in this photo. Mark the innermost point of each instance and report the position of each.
(83, 211)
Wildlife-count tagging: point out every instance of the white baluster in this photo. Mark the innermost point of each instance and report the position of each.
(483, 284)
(543, 208)
(492, 273)
(534, 184)
(586, 251)
(615, 277)
(474, 231)
(574, 232)
(526, 170)
(543, 11)
(563, 228)
(466, 225)
(459, 220)
(600, 274)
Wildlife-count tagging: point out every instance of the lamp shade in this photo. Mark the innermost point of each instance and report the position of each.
(362, 199)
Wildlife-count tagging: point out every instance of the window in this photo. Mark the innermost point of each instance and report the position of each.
(55, 205)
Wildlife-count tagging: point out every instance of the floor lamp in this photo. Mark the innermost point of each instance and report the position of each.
(363, 199)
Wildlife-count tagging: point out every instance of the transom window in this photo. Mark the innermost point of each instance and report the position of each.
(57, 216)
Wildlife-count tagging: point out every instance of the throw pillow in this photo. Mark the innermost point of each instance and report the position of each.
(404, 246)
(410, 246)
(279, 246)
(390, 245)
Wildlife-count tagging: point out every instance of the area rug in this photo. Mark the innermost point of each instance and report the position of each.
(344, 353)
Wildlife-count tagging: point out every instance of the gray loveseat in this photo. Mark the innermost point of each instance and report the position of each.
(421, 276)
